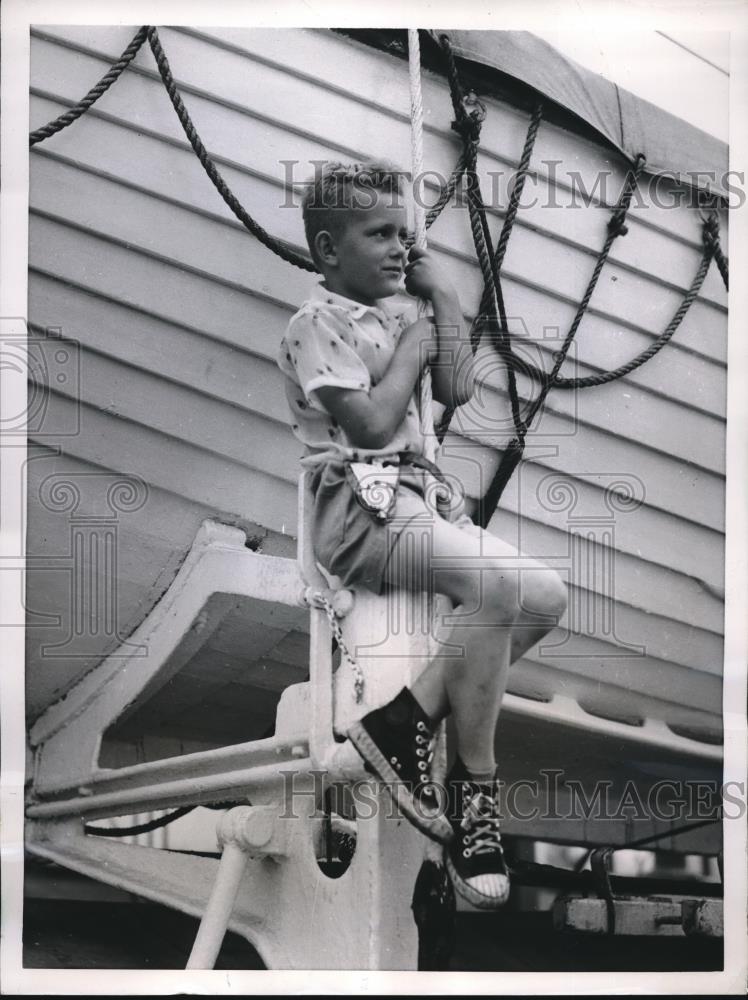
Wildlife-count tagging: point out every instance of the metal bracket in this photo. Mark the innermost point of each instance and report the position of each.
(600, 866)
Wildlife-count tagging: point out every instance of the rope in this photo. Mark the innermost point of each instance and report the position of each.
(58, 124)
(447, 190)
(616, 227)
(419, 221)
(514, 451)
(153, 824)
(711, 237)
(277, 246)
(131, 831)
(514, 199)
(469, 116)
(646, 355)
(416, 132)
(602, 378)
(500, 336)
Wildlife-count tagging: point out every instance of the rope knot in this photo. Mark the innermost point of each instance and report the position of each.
(711, 231)
(470, 118)
(617, 224)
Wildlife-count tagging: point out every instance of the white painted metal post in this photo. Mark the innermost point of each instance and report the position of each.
(218, 911)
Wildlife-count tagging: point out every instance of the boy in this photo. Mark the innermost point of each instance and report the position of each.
(352, 368)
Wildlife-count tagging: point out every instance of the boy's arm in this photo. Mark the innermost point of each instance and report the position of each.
(452, 375)
(370, 419)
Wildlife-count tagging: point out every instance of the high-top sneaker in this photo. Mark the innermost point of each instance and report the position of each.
(397, 744)
(475, 858)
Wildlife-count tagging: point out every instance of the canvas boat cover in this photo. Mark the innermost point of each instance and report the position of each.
(633, 125)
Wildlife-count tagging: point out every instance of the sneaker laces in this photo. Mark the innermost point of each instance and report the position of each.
(481, 824)
(425, 741)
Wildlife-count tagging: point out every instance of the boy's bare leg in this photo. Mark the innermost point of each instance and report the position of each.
(432, 683)
(494, 630)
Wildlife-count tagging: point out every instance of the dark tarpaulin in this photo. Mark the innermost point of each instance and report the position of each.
(633, 125)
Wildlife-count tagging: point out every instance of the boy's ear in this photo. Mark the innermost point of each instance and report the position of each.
(324, 245)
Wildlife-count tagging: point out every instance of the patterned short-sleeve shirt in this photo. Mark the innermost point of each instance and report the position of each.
(334, 341)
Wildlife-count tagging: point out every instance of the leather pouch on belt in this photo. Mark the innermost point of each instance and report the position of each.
(375, 487)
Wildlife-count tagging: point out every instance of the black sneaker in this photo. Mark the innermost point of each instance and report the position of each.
(475, 858)
(397, 745)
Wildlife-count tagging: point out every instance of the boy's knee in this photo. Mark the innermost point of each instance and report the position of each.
(490, 594)
(550, 595)
(499, 596)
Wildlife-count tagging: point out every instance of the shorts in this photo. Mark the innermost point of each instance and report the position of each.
(351, 543)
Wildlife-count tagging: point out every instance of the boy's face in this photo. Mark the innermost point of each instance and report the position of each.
(369, 251)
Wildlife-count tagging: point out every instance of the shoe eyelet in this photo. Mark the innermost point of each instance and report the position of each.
(393, 760)
(422, 765)
(421, 727)
(466, 853)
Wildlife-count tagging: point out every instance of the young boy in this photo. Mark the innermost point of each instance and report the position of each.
(352, 367)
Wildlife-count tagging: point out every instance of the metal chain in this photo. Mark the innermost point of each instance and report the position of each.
(321, 599)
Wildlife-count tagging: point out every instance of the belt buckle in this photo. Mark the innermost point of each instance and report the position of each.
(377, 495)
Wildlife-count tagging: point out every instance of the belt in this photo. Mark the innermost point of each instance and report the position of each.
(411, 458)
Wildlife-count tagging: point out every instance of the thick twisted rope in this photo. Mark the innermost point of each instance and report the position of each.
(656, 345)
(468, 124)
(448, 189)
(58, 124)
(514, 451)
(469, 117)
(603, 378)
(419, 221)
(513, 206)
(616, 227)
(277, 246)
(711, 237)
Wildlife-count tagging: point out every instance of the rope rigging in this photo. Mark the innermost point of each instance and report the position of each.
(514, 451)
(491, 314)
(419, 221)
(58, 124)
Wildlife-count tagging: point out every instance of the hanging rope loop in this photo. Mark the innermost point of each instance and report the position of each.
(284, 251)
(114, 72)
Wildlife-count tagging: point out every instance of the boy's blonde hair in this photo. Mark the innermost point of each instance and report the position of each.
(338, 188)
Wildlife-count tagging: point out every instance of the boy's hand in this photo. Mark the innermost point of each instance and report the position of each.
(422, 275)
(422, 337)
